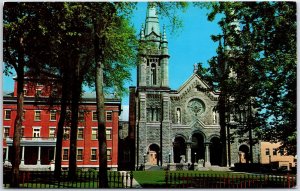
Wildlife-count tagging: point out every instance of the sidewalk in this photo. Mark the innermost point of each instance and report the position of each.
(135, 184)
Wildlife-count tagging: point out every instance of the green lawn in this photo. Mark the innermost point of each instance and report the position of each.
(156, 179)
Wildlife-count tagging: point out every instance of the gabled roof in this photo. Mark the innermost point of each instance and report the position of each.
(195, 81)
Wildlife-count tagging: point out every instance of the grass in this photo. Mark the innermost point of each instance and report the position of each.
(149, 178)
(156, 179)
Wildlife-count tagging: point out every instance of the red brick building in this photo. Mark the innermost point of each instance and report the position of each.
(40, 126)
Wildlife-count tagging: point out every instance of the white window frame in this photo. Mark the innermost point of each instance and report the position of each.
(109, 149)
(35, 111)
(67, 129)
(94, 112)
(5, 114)
(80, 128)
(50, 114)
(4, 128)
(111, 131)
(62, 157)
(38, 94)
(52, 128)
(94, 128)
(39, 131)
(94, 148)
(79, 148)
(79, 115)
(106, 115)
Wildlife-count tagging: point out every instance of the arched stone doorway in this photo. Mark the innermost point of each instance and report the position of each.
(215, 151)
(179, 148)
(153, 154)
(244, 154)
(197, 147)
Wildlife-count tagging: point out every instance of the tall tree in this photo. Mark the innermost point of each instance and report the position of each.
(263, 55)
(18, 23)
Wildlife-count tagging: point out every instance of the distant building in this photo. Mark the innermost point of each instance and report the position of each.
(272, 154)
(175, 126)
(40, 126)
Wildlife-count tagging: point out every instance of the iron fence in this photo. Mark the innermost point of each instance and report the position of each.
(189, 180)
(84, 179)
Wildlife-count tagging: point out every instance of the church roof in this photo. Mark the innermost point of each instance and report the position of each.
(195, 81)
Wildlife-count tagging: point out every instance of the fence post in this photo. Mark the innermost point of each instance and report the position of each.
(131, 178)
(166, 177)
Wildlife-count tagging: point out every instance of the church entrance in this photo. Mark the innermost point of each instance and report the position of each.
(244, 154)
(153, 154)
(179, 148)
(215, 151)
(197, 147)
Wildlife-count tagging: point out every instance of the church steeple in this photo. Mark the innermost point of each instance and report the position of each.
(152, 23)
(154, 56)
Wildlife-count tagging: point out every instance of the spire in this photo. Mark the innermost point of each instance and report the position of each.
(164, 38)
(152, 23)
(142, 33)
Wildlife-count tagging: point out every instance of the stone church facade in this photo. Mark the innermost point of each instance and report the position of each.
(174, 126)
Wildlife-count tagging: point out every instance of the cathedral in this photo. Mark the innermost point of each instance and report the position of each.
(174, 126)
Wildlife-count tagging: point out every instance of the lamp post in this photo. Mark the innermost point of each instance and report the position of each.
(195, 154)
(169, 157)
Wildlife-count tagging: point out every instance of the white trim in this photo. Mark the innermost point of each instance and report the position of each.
(5, 114)
(39, 131)
(6, 127)
(111, 115)
(55, 115)
(52, 127)
(111, 151)
(34, 117)
(111, 133)
(96, 154)
(82, 153)
(94, 128)
(82, 133)
(62, 157)
(94, 111)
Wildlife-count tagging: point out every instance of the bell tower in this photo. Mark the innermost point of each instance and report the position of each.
(153, 53)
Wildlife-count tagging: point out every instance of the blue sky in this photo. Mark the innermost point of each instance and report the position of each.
(191, 44)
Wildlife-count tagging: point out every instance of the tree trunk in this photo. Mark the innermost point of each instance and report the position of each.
(76, 92)
(18, 121)
(103, 181)
(60, 128)
(222, 113)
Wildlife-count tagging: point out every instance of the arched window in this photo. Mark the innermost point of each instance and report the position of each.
(214, 116)
(178, 115)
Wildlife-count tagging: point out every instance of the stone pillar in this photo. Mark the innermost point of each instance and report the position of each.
(23, 155)
(54, 150)
(39, 156)
(188, 152)
(166, 128)
(172, 156)
(6, 155)
(6, 162)
(207, 155)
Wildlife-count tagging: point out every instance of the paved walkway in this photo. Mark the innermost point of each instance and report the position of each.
(135, 184)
